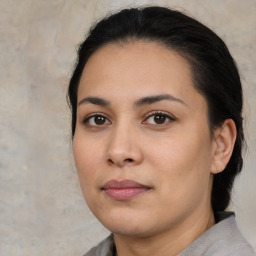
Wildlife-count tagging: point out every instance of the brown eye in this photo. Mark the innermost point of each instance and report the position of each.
(97, 120)
(159, 119)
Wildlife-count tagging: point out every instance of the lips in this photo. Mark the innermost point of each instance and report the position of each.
(124, 189)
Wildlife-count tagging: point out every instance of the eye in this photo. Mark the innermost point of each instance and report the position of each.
(96, 120)
(158, 118)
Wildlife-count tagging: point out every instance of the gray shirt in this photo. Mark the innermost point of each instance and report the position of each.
(222, 239)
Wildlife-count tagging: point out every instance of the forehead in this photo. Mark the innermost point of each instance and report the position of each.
(136, 69)
(139, 58)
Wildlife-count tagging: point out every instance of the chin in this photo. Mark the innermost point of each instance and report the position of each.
(128, 224)
(130, 230)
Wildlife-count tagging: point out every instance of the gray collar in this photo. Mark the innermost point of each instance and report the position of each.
(223, 239)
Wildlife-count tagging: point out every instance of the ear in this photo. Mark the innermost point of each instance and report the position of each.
(224, 141)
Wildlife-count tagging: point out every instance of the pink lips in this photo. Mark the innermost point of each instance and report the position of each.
(124, 189)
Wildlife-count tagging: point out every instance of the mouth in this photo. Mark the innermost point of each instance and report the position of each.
(124, 189)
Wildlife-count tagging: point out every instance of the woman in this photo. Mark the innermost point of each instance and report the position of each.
(156, 103)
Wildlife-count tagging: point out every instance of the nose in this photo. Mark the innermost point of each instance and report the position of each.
(124, 148)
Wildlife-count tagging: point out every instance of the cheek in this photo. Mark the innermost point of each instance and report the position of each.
(183, 160)
(182, 176)
(181, 150)
(86, 158)
(87, 172)
(86, 150)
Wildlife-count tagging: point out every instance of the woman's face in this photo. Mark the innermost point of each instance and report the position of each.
(142, 144)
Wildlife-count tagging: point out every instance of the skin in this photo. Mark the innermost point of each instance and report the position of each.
(176, 159)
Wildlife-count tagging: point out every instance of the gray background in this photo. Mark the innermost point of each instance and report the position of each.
(42, 211)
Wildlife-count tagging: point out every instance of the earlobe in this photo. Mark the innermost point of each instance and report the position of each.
(224, 139)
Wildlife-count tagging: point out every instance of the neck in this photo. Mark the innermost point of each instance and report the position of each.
(169, 242)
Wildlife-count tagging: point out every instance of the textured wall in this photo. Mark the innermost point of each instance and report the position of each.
(42, 211)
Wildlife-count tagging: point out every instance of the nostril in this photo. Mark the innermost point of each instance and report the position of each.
(129, 160)
(110, 161)
(119, 162)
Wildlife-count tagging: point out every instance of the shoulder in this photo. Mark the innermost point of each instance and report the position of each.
(224, 238)
(104, 248)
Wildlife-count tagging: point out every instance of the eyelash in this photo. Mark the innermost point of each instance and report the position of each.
(149, 115)
(87, 119)
(160, 113)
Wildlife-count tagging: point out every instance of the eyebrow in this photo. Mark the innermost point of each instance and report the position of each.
(95, 101)
(139, 103)
(155, 98)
